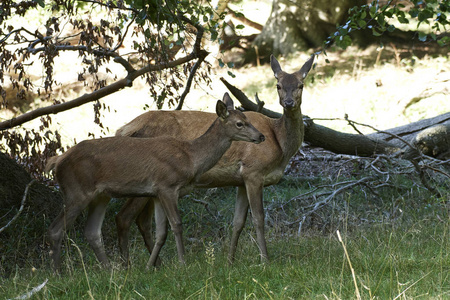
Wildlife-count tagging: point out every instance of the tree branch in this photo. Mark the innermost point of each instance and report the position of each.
(197, 52)
(189, 82)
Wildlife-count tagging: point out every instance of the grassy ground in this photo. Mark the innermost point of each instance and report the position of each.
(396, 238)
(402, 258)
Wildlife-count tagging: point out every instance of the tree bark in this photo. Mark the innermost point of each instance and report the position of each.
(299, 25)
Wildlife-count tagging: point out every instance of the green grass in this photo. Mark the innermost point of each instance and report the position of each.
(389, 262)
(401, 252)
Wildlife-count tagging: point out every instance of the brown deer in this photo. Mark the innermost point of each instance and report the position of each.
(250, 167)
(93, 171)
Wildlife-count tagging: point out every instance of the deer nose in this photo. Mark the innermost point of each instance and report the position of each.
(289, 103)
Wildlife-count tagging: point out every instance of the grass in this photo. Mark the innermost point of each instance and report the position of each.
(389, 262)
(401, 253)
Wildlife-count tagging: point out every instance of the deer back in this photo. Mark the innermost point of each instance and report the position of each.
(124, 166)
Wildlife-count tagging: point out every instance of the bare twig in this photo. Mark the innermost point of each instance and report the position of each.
(22, 205)
(316, 206)
(189, 82)
(424, 180)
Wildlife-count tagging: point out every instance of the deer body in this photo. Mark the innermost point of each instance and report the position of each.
(250, 167)
(93, 171)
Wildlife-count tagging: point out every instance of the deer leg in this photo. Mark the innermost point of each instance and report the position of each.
(161, 233)
(93, 228)
(63, 221)
(144, 223)
(255, 199)
(240, 216)
(169, 204)
(127, 214)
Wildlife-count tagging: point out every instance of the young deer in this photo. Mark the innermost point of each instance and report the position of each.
(250, 167)
(93, 171)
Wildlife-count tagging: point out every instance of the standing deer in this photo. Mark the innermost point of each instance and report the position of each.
(93, 171)
(250, 167)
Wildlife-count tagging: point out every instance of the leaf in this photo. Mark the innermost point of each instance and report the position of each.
(422, 36)
(240, 26)
(40, 2)
(375, 32)
(373, 11)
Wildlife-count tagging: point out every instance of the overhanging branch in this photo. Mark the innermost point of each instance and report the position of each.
(98, 94)
(196, 53)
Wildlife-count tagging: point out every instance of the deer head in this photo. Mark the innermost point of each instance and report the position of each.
(236, 123)
(290, 86)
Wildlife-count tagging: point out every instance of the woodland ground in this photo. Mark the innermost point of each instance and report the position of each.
(396, 232)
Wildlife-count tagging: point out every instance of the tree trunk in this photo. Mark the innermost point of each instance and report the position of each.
(299, 25)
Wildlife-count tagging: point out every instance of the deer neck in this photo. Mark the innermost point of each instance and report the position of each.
(291, 131)
(209, 148)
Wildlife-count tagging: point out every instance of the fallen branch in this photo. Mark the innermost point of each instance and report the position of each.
(29, 294)
(22, 205)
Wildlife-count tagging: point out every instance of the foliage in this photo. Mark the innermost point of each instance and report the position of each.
(380, 17)
(159, 40)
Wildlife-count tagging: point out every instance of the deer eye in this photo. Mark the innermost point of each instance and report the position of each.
(278, 87)
(239, 124)
(300, 85)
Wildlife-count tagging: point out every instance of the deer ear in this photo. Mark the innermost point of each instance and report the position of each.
(228, 101)
(306, 67)
(276, 68)
(221, 110)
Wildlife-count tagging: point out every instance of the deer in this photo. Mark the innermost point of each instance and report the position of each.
(249, 167)
(92, 172)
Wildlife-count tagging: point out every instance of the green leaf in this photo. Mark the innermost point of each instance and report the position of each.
(422, 36)
(40, 2)
(240, 26)
(373, 11)
(363, 14)
(375, 32)
(362, 23)
(231, 74)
